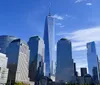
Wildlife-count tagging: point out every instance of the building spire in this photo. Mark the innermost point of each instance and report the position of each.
(49, 9)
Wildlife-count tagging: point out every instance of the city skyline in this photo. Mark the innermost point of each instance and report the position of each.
(25, 19)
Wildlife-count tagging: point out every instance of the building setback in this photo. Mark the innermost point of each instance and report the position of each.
(65, 65)
(18, 61)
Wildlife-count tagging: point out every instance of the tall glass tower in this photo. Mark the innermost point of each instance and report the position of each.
(92, 60)
(36, 46)
(65, 65)
(49, 42)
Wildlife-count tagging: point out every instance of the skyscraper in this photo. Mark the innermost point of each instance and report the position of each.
(65, 65)
(36, 46)
(83, 71)
(18, 61)
(4, 42)
(75, 72)
(92, 59)
(49, 42)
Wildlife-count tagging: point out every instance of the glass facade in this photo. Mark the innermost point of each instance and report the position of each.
(4, 42)
(18, 61)
(65, 65)
(49, 42)
(36, 46)
(92, 58)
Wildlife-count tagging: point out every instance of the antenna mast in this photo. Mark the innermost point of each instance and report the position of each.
(50, 9)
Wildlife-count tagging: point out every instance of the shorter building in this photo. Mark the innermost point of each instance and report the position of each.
(3, 69)
(95, 76)
(87, 79)
(36, 63)
(83, 71)
(65, 65)
(75, 72)
(18, 61)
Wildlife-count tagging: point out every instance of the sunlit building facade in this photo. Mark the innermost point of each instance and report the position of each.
(65, 65)
(92, 60)
(18, 61)
(36, 46)
(49, 42)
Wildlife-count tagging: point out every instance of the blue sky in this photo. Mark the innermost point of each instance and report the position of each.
(77, 20)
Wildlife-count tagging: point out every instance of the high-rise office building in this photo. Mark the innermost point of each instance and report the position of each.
(49, 42)
(18, 61)
(65, 65)
(83, 72)
(36, 46)
(99, 68)
(75, 72)
(3, 69)
(92, 59)
(4, 42)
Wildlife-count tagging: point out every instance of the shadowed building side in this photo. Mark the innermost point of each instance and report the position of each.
(36, 63)
(65, 65)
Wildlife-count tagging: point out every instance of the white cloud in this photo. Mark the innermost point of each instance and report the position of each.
(89, 4)
(81, 37)
(60, 25)
(77, 1)
(58, 17)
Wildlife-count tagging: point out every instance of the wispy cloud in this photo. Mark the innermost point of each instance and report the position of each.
(81, 37)
(77, 1)
(69, 16)
(58, 17)
(79, 48)
(58, 24)
(89, 4)
(62, 26)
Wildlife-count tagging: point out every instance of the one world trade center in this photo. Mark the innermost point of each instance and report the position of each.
(49, 41)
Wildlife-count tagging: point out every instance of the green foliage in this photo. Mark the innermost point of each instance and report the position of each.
(20, 83)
